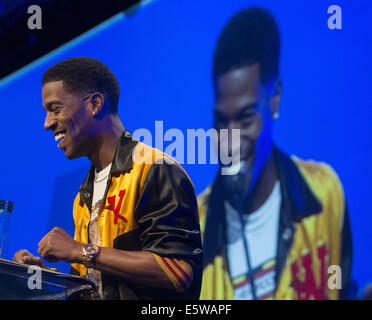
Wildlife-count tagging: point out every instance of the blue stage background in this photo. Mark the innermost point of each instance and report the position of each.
(162, 56)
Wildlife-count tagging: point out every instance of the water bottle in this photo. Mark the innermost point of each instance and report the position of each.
(6, 212)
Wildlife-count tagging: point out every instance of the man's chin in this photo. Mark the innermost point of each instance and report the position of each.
(71, 155)
(236, 166)
(73, 151)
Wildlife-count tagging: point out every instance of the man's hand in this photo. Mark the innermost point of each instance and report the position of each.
(23, 256)
(58, 245)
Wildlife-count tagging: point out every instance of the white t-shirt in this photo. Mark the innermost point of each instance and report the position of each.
(99, 188)
(261, 232)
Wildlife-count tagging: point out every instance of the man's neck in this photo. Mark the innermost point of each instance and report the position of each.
(106, 143)
(264, 186)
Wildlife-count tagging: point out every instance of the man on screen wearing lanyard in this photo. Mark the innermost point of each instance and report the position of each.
(272, 230)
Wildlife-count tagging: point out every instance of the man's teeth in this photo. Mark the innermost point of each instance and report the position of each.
(59, 136)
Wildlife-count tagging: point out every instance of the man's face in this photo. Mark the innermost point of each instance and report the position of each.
(68, 116)
(242, 102)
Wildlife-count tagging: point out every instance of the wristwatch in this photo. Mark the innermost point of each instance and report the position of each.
(90, 253)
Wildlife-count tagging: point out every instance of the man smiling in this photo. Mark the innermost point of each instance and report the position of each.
(136, 221)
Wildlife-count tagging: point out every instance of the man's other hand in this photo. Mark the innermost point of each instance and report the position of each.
(23, 256)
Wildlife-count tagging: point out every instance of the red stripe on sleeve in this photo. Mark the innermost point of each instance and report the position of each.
(173, 272)
(186, 275)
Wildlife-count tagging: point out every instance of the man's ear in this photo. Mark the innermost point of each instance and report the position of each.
(97, 101)
(275, 100)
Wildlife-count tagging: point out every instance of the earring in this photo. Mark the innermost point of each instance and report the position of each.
(276, 115)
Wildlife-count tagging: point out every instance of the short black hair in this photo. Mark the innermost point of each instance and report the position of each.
(250, 36)
(84, 75)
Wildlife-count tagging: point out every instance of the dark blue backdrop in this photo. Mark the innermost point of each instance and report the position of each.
(162, 58)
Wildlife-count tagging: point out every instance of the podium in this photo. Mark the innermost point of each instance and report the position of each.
(22, 282)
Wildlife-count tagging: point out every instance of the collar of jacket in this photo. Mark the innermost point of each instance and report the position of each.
(122, 162)
(298, 202)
